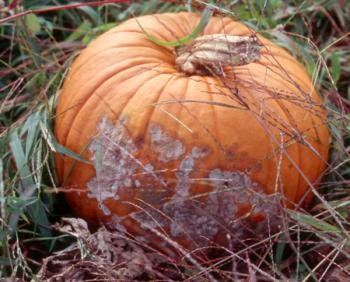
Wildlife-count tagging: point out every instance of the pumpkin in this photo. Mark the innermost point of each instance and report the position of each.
(198, 157)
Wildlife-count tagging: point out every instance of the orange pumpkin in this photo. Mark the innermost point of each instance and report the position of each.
(194, 157)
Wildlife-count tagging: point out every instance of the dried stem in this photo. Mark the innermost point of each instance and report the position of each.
(209, 54)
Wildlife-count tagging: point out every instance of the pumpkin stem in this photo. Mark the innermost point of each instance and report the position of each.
(209, 54)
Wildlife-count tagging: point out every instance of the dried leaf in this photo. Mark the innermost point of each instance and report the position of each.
(109, 256)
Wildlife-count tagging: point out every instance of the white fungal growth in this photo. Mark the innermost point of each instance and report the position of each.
(183, 178)
(198, 153)
(198, 218)
(169, 149)
(115, 149)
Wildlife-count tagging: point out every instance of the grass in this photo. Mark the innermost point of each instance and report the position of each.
(36, 50)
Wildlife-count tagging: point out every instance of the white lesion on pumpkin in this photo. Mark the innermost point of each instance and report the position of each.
(117, 165)
(232, 189)
(198, 218)
(168, 148)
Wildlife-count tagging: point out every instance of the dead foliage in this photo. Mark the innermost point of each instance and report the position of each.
(101, 256)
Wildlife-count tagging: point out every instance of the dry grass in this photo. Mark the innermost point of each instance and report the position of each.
(36, 50)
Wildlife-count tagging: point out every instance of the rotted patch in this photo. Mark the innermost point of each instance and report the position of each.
(198, 218)
(168, 148)
(117, 169)
(113, 149)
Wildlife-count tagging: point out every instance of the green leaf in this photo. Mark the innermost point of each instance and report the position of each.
(280, 249)
(285, 41)
(31, 126)
(58, 148)
(33, 49)
(91, 13)
(35, 210)
(199, 28)
(313, 222)
(81, 31)
(33, 23)
(5, 261)
(150, 7)
(96, 31)
(15, 204)
(38, 214)
(21, 161)
(335, 67)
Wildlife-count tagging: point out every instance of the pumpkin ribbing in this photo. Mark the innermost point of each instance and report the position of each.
(207, 143)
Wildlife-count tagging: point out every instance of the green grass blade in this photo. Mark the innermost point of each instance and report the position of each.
(32, 128)
(21, 161)
(81, 31)
(33, 23)
(206, 15)
(313, 222)
(335, 67)
(92, 14)
(58, 148)
(35, 210)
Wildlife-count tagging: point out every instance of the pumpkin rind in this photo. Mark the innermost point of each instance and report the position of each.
(169, 144)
